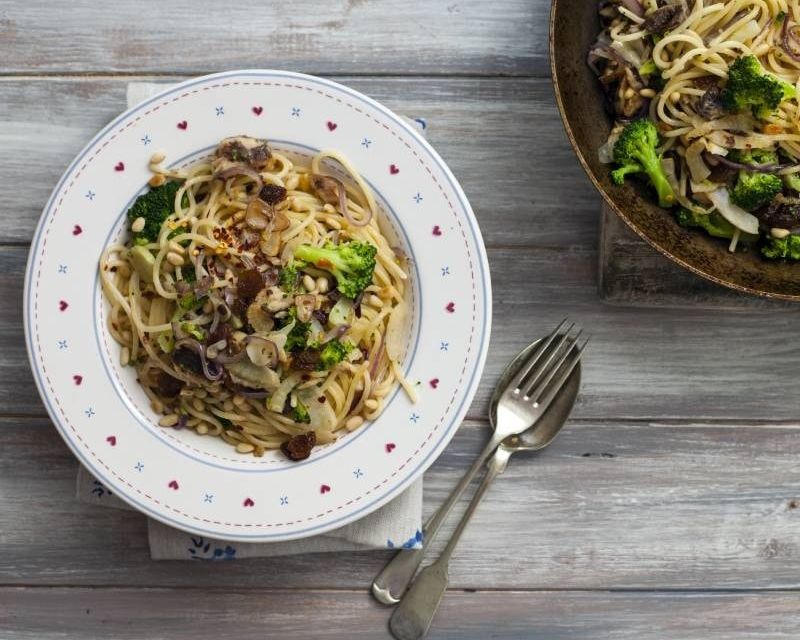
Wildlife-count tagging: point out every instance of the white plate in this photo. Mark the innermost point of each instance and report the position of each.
(199, 484)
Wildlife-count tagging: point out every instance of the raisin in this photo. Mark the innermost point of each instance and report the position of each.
(272, 194)
(250, 283)
(167, 386)
(299, 447)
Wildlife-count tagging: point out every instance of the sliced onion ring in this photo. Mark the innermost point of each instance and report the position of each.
(199, 349)
(239, 169)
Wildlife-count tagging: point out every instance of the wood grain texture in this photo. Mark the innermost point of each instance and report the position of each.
(316, 36)
(607, 506)
(632, 273)
(109, 614)
(515, 179)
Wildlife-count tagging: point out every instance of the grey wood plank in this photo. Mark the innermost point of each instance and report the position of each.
(108, 614)
(516, 177)
(318, 36)
(641, 364)
(607, 506)
(632, 273)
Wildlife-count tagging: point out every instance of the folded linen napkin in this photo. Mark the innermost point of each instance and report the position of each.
(395, 525)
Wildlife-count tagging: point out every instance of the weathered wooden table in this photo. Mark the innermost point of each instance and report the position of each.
(668, 507)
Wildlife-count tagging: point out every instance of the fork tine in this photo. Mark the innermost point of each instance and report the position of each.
(536, 386)
(547, 366)
(562, 379)
(534, 360)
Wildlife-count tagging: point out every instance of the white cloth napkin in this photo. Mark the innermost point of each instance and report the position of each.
(395, 525)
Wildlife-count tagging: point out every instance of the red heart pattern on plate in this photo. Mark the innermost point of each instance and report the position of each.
(77, 379)
(112, 440)
(173, 484)
(437, 230)
(451, 307)
(62, 305)
(434, 383)
(324, 489)
(77, 230)
(258, 110)
(332, 126)
(394, 169)
(248, 502)
(182, 125)
(390, 447)
(120, 166)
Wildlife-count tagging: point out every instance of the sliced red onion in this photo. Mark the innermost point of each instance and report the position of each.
(203, 286)
(323, 193)
(335, 333)
(182, 420)
(786, 34)
(262, 352)
(253, 394)
(634, 7)
(758, 168)
(373, 366)
(305, 304)
(212, 373)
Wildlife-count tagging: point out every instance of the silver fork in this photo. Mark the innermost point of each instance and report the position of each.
(523, 402)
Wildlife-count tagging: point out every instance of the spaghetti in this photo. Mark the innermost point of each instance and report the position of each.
(672, 62)
(259, 299)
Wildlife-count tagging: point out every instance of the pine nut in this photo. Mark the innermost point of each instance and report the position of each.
(375, 301)
(629, 93)
(192, 422)
(308, 283)
(239, 400)
(371, 404)
(322, 285)
(354, 422)
(202, 428)
(174, 246)
(157, 180)
(124, 356)
(198, 404)
(675, 96)
(158, 157)
(779, 233)
(328, 208)
(156, 406)
(138, 225)
(175, 259)
(227, 405)
(169, 420)
(244, 447)
(647, 93)
(200, 393)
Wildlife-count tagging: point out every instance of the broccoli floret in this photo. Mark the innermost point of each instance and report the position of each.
(792, 181)
(300, 413)
(754, 190)
(193, 330)
(787, 248)
(714, 224)
(289, 277)
(333, 353)
(297, 339)
(648, 68)
(754, 156)
(351, 263)
(154, 206)
(749, 86)
(635, 152)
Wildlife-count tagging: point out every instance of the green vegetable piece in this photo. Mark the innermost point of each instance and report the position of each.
(333, 353)
(792, 181)
(297, 338)
(189, 302)
(166, 341)
(750, 87)
(754, 156)
(143, 261)
(648, 68)
(300, 413)
(351, 263)
(155, 206)
(754, 190)
(635, 152)
(714, 224)
(193, 330)
(787, 248)
(288, 277)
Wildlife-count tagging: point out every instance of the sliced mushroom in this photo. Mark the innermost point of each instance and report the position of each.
(326, 188)
(254, 152)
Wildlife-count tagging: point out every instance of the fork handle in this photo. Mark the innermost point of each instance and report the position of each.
(413, 616)
(393, 580)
